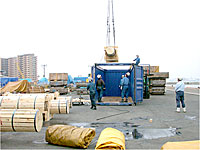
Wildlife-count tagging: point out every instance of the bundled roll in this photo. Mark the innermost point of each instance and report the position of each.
(181, 145)
(60, 106)
(21, 120)
(69, 98)
(111, 139)
(72, 136)
(24, 102)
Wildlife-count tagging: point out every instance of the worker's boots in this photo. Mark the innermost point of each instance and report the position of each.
(184, 110)
(94, 108)
(178, 110)
(122, 101)
(126, 100)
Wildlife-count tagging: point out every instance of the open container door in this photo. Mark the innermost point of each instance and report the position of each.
(112, 78)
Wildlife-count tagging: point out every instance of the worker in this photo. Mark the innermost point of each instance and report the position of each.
(92, 88)
(137, 60)
(179, 89)
(121, 82)
(125, 84)
(100, 86)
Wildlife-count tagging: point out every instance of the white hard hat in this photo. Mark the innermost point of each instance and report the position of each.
(98, 76)
(128, 73)
(180, 79)
(122, 76)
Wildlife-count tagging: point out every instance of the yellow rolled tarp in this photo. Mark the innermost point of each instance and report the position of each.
(72, 136)
(181, 145)
(111, 138)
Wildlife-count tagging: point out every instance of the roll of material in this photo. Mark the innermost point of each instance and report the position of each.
(71, 136)
(111, 138)
(21, 120)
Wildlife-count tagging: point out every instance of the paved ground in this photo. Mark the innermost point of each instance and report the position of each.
(167, 125)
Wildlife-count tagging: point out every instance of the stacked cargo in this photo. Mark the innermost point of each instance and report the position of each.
(58, 82)
(81, 88)
(157, 82)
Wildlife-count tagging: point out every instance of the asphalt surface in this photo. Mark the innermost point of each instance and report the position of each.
(134, 121)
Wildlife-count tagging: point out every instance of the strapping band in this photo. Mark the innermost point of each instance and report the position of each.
(35, 120)
(66, 105)
(12, 120)
(35, 101)
(59, 106)
(1, 100)
(18, 102)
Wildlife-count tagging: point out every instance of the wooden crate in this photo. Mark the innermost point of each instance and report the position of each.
(58, 76)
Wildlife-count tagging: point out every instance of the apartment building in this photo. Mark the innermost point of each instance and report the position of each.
(22, 66)
(4, 66)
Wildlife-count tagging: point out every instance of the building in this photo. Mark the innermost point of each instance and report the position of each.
(4, 66)
(22, 66)
(12, 67)
(28, 66)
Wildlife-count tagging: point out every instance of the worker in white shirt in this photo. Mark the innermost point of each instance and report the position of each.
(179, 89)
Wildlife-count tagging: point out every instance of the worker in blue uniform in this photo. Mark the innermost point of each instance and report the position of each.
(92, 88)
(137, 60)
(179, 89)
(100, 86)
(121, 82)
(125, 84)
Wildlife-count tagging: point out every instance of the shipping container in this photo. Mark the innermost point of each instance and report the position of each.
(5, 80)
(111, 74)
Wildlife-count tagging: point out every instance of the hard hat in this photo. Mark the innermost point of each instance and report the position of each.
(98, 76)
(137, 55)
(180, 79)
(128, 73)
(122, 76)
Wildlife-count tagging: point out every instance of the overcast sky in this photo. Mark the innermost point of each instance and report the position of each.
(70, 35)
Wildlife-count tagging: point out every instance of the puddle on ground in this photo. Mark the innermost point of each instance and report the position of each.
(190, 117)
(151, 133)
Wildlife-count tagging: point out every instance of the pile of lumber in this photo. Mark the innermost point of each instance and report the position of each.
(58, 82)
(36, 89)
(157, 82)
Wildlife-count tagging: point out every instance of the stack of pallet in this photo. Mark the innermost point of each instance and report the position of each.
(157, 82)
(58, 82)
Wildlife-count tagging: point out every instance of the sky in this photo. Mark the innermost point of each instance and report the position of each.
(70, 35)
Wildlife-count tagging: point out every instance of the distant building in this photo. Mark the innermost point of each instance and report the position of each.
(4, 66)
(20, 66)
(28, 66)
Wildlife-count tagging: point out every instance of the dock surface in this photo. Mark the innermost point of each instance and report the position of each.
(148, 125)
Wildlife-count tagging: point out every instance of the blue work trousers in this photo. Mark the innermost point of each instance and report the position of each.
(92, 98)
(99, 93)
(124, 92)
(180, 98)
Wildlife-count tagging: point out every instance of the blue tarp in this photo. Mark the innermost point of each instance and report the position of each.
(70, 79)
(28, 79)
(80, 79)
(43, 81)
(5, 80)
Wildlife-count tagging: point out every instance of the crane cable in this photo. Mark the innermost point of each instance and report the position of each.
(110, 6)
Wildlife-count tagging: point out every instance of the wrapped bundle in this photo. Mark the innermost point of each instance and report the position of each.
(111, 139)
(72, 136)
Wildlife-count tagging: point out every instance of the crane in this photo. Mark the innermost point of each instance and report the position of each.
(18, 68)
(110, 50)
